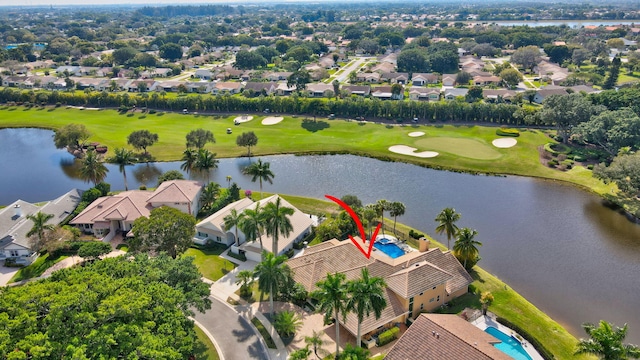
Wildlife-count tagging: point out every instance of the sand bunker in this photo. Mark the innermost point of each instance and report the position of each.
(408, 150)
(416, 134)
(504, 142)
(271, 120)
(242, 119)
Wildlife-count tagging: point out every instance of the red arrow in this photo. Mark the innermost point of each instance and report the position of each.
(355, 218)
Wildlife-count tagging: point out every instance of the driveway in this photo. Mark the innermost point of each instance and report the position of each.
(6, 273)
(234, 336)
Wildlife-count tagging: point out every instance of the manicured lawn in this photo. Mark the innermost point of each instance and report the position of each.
(469, 148)
(211, 266)
(36, 269)
(211, 353)
(624, 78)
(306, 205)
(301, 137)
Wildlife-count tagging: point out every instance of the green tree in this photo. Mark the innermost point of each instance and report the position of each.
(189, 156)
(40, 227)
(123, 55)
(381, 206)
(567, 111)
(299, 79)
(396, 209)
(332, 298)
(232, 221)
(205, 161)
(287, 323)
(316, 342)
(272, 274)
(300, 354)
(624, 170)
(466, 247)
(463, 78)
(166, 229)
(366, 296)
(170, 175)
(611, 130)
(209, 195)
(92, 169)
(447, 219)
(259, 171)
(474, 94)
(396, 91)
(245, 279)
(142, 139)
(123, 157)
(249, 60)
(92, 250)
(252, 224)
(352, 201)
(336, 87)
(606, 343)
(414, 61)
(71, 136)
(511, 77)
(171, 52)
(527, 56)
(199, 138)
(247, 139)
(277, 221)
(353, 353)
(486, 298)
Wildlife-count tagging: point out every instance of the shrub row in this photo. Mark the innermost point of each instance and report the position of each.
(415, 234)
(544, 352)
(388, 336)
(240, 257)
(507, 132)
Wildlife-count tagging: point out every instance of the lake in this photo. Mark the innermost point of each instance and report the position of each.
(570, 23)
(558, 246)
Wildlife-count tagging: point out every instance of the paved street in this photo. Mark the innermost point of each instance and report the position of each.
(234, 336)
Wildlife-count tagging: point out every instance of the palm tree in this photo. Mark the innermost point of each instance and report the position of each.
(205, 161)
(277, 222)
(287, 323)
(123, 157)
(232, 221)
(332, 298)
(366, 295)
(272, 274)
(381, 206)
(447, 223)
(209, 195)
(40, 225)
(228, 180)
(92, 169)
(465, 247)
(369, 214)
(606, 342)
(396, 209)
(315, 341)
(245, 279)
(189, 156)
(260, 171)
(252, 224)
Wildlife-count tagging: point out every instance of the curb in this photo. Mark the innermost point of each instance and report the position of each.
(213, 340)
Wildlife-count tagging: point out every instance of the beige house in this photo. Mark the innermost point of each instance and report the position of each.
(445, 336)
(417, 281)
(212, 229)
(422, 93)
(108, 215)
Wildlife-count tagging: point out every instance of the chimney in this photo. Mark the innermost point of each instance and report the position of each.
(17, 211)
(423, 244)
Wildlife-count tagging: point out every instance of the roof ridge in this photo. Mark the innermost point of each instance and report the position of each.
(473, 346)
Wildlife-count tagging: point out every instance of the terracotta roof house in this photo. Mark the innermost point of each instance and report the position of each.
(212, 229)
(384, 67)
(422, 93)
(486, 80)
(14, 225)
(395, 78)
(222, 87)
(373, 77)
(416, 281)
(448, 79)
(110, 214)
(445, 336)
(544, 93)
(421, 79)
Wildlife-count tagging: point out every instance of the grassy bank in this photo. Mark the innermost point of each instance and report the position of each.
(463, 148)
(211, 353)
(36, 269)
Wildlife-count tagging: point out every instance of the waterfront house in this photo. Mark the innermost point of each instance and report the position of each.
(14, 225)
(416, 281)
(108, 215)
(212, 229)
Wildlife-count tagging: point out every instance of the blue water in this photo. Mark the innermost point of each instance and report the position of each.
(391, 250)
(509, 345)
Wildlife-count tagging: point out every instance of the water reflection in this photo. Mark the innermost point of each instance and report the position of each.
(147, 174)
(71, 167)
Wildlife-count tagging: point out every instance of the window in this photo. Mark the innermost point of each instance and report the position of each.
(421, 293)
(410, 307)
(434, 288)
(14, 253)
(431, 300)
(438, 298)
(421, 307)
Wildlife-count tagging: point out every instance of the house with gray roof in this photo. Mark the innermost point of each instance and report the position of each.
(14, 225)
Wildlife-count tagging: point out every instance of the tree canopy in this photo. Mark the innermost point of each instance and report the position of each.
(71, 135)
(114, 308)
(247, 139)
(624, 171)
(142, 139)
(171, 52)
(527, 56)
(166, 229)
(567, 111)
(199, 138)
(611, 130)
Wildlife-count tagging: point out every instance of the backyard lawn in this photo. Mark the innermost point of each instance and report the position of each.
(208, 261)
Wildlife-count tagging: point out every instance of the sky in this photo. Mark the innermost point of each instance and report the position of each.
(104, 2)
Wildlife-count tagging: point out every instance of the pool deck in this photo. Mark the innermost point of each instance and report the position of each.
(393, 240)
(484, 322)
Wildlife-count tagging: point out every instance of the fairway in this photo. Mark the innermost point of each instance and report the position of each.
(469, 148)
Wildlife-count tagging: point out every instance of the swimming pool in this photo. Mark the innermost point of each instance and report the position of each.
(391, 250)
(509, 345)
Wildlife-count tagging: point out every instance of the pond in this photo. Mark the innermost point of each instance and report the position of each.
(558, 246)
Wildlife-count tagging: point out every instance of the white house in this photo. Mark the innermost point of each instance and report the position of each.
(14, 225)
(212, 229)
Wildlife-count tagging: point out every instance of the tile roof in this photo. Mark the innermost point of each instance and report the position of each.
(130, 205)
(415, 279)
(393, 311)
(215, 221)
(443, 336)
(176, 191)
